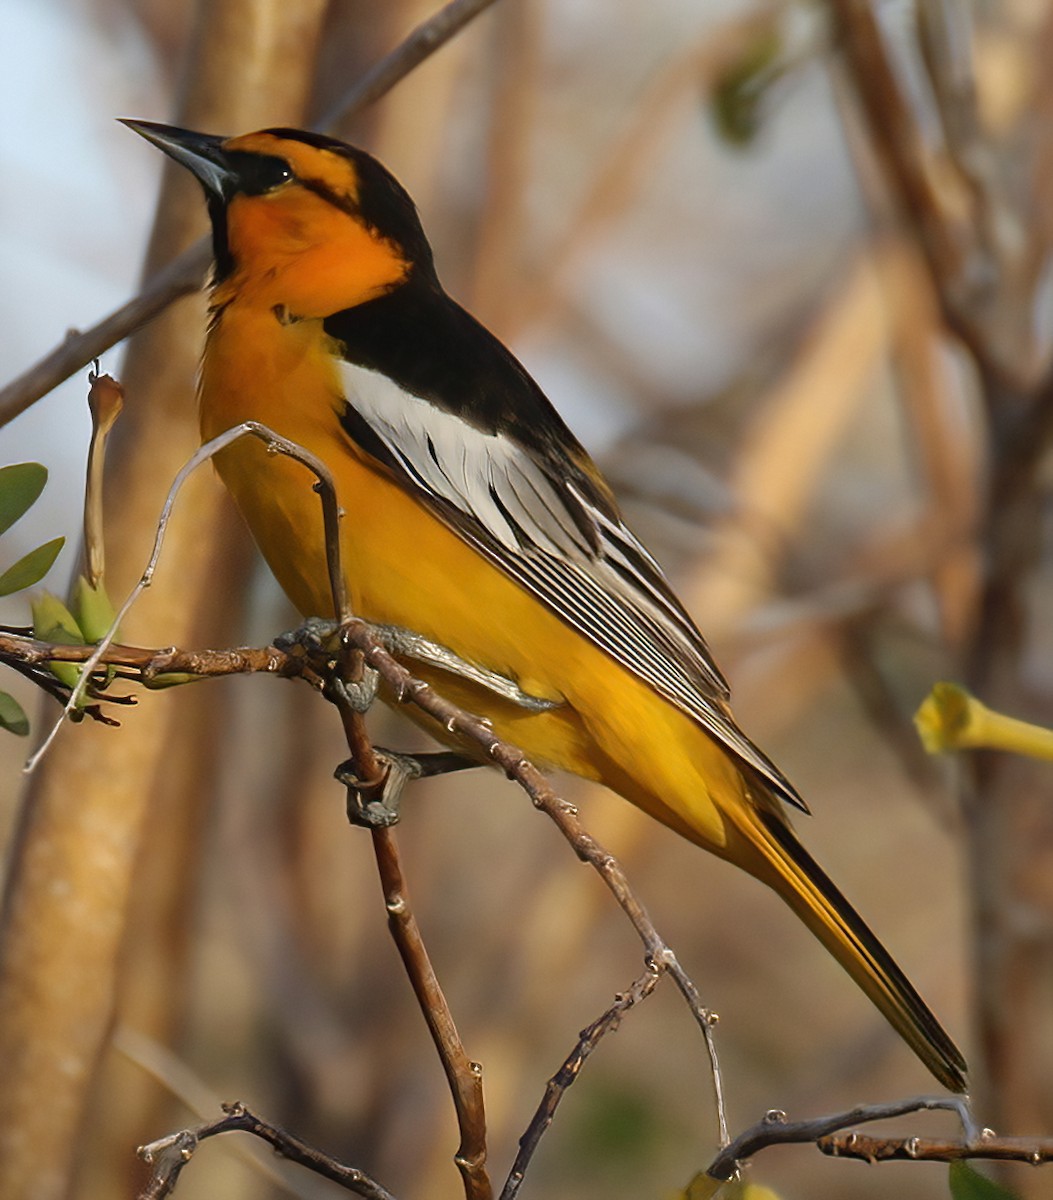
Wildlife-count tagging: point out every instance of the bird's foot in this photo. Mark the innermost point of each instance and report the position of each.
(376, 803)
(316, 635)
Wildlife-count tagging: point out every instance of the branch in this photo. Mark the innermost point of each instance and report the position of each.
(171, 1154)
(775, 1130)
(1033, 1151)
(556, 1087)
(185, 274)
(464, 1076)
(331, 514)
(963, 274)
(149, 664)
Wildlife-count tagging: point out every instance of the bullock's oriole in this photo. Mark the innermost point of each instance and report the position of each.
(474, 517)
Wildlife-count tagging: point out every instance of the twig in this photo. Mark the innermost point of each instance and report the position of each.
(185, 274)
(510, 758)
(150, 663)
(464, 1076)
(775, 1130)
(557, 1086)
(331, 516)
(170, 1155)
(1033, 1151)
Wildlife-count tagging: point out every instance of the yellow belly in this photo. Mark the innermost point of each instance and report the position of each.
(404, 567)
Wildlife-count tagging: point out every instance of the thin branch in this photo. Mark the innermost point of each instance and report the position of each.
(171, 1154)
(436, 31)
(465, 1077)
(1033, 1151)
(331, 517)
(556, 1087)
(775, 1130)
(185, 274)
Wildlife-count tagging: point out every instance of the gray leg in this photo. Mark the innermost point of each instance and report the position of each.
(377, 803)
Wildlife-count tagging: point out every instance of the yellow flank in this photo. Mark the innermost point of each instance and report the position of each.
(404, 567)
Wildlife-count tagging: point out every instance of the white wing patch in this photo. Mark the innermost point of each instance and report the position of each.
(483, 474)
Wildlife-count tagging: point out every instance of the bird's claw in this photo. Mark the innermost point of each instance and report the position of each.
(375, 803)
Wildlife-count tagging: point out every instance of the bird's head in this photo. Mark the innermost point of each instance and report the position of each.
(299, 219)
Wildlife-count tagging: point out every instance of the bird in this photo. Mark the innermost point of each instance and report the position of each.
(476, 519)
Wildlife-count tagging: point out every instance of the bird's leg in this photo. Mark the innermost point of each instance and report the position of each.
(374, 803)
(407, 644)
(315, 633)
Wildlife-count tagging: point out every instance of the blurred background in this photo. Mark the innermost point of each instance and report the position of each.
(795, 300)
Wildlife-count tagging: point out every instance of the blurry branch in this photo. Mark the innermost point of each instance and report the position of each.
(935, 197)
(171, 1154)
(628, 162)
(792, 435)
(185, 273)
(180, 277)
(410, 53)
(944, 442)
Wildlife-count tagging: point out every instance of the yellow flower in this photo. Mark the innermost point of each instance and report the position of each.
(950, 718)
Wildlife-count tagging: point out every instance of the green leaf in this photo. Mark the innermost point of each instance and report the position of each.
(92, 609)
(31, 568)
(12, 716)
(53, 622)
(20, 485)
(967, 1184)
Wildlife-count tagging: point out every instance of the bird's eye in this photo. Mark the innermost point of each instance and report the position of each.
(259, 173)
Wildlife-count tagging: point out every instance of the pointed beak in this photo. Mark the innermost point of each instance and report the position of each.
(201, 153)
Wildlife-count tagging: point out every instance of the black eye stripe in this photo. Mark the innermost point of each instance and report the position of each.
(257, 174)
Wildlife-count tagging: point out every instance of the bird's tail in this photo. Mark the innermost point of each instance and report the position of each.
(802, 883)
